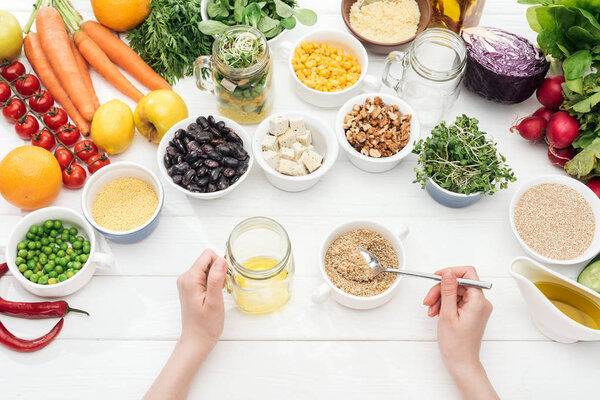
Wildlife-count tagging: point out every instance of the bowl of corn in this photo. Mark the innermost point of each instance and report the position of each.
(328, 67)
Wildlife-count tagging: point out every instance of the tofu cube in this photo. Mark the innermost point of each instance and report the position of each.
(278, 125)
(311, 160)
(272, 158)
(299, 149)
(292, 168)
(269, 142)
(287, 153)
(305, 139)
(297, 125)
(287, 139)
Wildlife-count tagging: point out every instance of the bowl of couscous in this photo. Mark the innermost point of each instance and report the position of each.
(123, 201)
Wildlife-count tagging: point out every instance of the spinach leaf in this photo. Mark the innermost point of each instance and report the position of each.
(282, 9)
(252, 13)
(584, 164)
(238, 10)
(266, 23)
(216, 9)
(577, 64)
(306, 17)
(212, 27)
(288, 23)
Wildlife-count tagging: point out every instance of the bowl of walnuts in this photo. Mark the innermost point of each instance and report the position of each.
(376, 130)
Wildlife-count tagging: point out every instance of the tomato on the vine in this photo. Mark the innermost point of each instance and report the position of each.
(68, 134)
(27, 85)
(85, 149)
(41, 101)
(64, 157)
(14, 110)
(12, 71)
(44, 139)
(4, 92)
(96, 162)
(27, 126)
(55, 117)
(74, 176)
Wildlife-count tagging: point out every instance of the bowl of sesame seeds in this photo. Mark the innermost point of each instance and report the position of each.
(123, 201)
(556, 219)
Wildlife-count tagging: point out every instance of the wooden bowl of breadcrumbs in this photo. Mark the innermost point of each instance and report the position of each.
(123, 201)
(556, 219)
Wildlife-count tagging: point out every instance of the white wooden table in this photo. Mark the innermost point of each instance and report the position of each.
(305, 350)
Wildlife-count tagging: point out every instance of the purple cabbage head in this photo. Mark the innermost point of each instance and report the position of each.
(502, 66)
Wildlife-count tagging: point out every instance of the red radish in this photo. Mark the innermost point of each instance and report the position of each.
(550, 92)
(559, 157)
(530, 128)
(561, 130)
(544, 113)
(594, 184)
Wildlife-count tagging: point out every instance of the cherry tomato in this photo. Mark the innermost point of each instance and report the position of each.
(27, 126)
(74, 176)
(4, 92)
(55, 117)
(85, 149)
(44, 139)
(68, 134)
(12, 71)
(40, 102)
(96, 162)
(64, 157)
(14, 110)
(27, 85)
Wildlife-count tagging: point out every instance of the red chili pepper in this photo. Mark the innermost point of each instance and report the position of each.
(26, 346)
(44, 309)
(3, 268)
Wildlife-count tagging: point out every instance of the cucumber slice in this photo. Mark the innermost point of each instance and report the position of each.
(590, 276)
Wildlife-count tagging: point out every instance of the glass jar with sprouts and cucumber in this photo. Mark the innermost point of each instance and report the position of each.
(239, 73)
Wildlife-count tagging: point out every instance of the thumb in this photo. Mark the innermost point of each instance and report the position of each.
(449, 288)
(215, 281)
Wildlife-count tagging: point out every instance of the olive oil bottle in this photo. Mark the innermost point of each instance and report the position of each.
(456, 14)
(574, 305)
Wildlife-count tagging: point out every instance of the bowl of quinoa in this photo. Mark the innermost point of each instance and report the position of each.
(556, 219)
(348, 278)
(123, 202)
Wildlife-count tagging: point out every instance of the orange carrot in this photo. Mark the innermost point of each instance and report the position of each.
(55, 42)
(101, 63)
(83, 69)
(124, 56)
(43, 69)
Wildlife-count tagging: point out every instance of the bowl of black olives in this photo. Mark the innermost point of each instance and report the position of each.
(205, 157)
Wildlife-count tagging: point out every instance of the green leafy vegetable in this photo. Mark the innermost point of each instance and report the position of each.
(461, 159)
(584, 105)
(240, 49)
(585, 164)
(270, 17)
(169, 39)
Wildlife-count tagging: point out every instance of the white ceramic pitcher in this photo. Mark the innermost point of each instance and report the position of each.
(546, 317)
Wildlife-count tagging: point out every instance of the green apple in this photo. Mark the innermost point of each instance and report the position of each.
(158, 111)
(11, 37)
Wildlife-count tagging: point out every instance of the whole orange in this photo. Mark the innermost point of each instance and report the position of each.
(30, 177)
(121, 15)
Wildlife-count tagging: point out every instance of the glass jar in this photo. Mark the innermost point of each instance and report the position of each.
(456, 14)
(244, 94)
(261, 265)
(431, 73)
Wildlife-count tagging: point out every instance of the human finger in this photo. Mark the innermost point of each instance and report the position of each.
(215, 282)
(468, 272)
(448, 294)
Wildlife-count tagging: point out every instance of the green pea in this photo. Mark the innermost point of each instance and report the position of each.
(83, 258)
(27, 274)
(61, 253)
(22, 245)
(70, 264)
(43, 280)
(23, 268)
(38, 268)
(64, 236)
(22, 253)
(59, 269)
(33, 229)
(73, 231)
(34, 278)
(70, 274)
(63, 261)
(52, 274)
(19, 261)
(87, 248)
(31, 245)
(62, 277)
(48, 268)
(52, 263)
(79, 252)
(49, 224)
(72, 238)
(30, 236)
(53, 233)
(73, 256)
(77, 244)
(52, 256)
(64, 246)
(51, 240)
(45, 241)
(30, 254)
(76, 265)
(47, 250)
(58, 225)
(70, 251)
(31, 264)
(43, 260)
(37, 252)
(38, 245)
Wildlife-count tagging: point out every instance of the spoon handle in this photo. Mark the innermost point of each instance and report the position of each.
(461, 281)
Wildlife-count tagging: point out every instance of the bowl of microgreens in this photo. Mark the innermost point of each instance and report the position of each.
(458, 164)
(271, 17)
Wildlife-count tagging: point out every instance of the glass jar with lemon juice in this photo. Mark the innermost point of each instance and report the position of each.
(261, 265)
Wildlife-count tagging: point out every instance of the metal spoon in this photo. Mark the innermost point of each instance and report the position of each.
(377, 268)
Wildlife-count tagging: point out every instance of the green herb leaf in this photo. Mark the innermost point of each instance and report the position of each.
(577, 64)
(306, 17)
(216, 10)
(253, 13)
(288, 23)
(282, 9)
(212, 27)
(584, 163)
(265, 23)
(238, 10)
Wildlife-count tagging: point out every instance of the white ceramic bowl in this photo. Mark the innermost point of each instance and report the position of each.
(328, 289)
(71, 219)
(323, 140)
(371, 164)
(451, 199)
(183, 124)
(582, 189)
(107, 174)
(349, 44)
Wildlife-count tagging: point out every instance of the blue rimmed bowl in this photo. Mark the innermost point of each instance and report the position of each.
(451, 199)
(108, 174)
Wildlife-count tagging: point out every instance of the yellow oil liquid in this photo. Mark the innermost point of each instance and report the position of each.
(574, 305)
(456, 14)
(260, 296)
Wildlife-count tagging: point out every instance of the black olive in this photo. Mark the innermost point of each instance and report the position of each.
(223, 183)
(224, 148)
(203, 137)
(167, 161)
(202, 122)
(179, 134)
(171, 150)
(192, 187)
(180, 146)
(177, 179)
(220, 125)
(211, 163)
(181, 168)
(206, 148)
(189, 175)
(203, 170)
(201, 180)
(191, 157)
(215, 174)
(214, 155)
(211, 188)
(230, 162)
(198, 164)
(211, 120)
(228, 172)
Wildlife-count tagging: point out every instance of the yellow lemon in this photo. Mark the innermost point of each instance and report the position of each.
(112, 127)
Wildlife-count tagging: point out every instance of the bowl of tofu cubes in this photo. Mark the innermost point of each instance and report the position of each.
(295, 150)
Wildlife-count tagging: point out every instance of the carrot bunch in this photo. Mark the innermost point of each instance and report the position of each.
(61, 60)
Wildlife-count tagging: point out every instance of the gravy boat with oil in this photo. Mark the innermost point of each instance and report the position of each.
(550, 321)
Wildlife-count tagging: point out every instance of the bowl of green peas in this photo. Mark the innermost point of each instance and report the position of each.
(53, 252)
